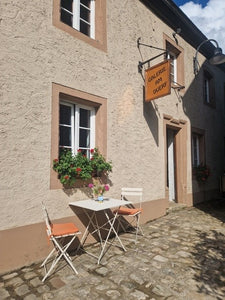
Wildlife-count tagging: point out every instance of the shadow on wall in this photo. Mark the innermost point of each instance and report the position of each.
(202, 116)
(151, 118)
(208, 118)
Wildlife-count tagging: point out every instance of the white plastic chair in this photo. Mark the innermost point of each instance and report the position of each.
(62, 236)
(131, 194)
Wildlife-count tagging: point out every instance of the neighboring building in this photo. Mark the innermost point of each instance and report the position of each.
(56, 61)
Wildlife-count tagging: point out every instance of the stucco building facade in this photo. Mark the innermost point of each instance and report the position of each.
(47, 61)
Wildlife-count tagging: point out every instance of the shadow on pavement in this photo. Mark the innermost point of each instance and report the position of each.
(214, 207)
(209, 253)
(210, 264)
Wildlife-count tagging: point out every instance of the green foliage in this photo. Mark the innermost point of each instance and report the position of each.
(71, 167)
(99, 164)
(201, 172)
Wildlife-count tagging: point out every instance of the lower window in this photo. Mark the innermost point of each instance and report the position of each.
(79, 122)
(76, 127)
(198, 149)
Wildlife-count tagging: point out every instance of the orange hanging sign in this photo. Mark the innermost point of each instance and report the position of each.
(157, 81)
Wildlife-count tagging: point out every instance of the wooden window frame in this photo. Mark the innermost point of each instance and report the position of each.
(75, 127)
(209, 95)
(99, 35)
(177, 51)
(201, 147)
(83, 99)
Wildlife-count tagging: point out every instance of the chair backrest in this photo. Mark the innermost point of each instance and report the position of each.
(47, 219)
(132, 193)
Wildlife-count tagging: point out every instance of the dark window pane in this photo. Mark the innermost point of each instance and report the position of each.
(86, 2)
(65, 114)
(85, 14)
(67, 4)
(84, 28)
(84, 118)
(64, 136)
(84, 140)
(66, 18)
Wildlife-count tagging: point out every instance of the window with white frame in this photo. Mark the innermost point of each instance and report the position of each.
(79, 14)
(195, 150)
(76, 127)
(173, 67)
(198, 155)
(208, 89)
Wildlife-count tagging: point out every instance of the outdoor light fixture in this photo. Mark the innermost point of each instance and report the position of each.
(178, 31)
(217, 59)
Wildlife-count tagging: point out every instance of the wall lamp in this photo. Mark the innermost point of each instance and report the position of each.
(217, 59)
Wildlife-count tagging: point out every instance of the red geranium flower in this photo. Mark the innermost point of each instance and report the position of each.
(56, 160)
(92, 150)
(66, 177)
(79, 150)
(78, 169)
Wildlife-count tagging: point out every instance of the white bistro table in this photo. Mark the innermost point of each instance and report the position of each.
(90, 208)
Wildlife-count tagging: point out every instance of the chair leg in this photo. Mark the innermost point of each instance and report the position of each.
(61, 252)
(138, 228)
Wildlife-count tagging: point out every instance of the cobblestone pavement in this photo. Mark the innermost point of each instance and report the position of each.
(180, 256)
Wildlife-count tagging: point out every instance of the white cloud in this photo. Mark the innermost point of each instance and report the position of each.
(209, 19)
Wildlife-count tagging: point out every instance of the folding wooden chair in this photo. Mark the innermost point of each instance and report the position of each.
(130, 211)
(62, 236)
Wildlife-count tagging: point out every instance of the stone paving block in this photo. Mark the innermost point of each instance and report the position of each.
(26, 269)
(30, 297)
(57, 282)
(136, 278)
(4, 293)
(22, 290)
(113, 294)
(47, 296)
(160, 258)
(138, 295)
(35, 282)
(16, 281)
(102, 271)
(30, 275)
(9, 276)
(43, 289)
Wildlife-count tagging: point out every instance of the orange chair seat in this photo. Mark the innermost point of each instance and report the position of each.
(128, 211)
(63, 229)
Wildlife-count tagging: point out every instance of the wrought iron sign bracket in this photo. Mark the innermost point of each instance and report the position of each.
(140, 64)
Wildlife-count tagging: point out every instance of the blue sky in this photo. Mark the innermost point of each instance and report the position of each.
(182, 2)
(208, 16)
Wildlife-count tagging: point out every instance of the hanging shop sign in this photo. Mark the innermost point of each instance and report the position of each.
(157, 81)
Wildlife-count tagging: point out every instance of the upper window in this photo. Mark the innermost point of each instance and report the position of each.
(208, 84)
(76, 127)
(83, 19)
(173, 67)
(176, 55)
(79, 14)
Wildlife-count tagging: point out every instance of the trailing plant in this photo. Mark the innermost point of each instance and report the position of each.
(72, 167)
(202, 173)
(99, 163)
